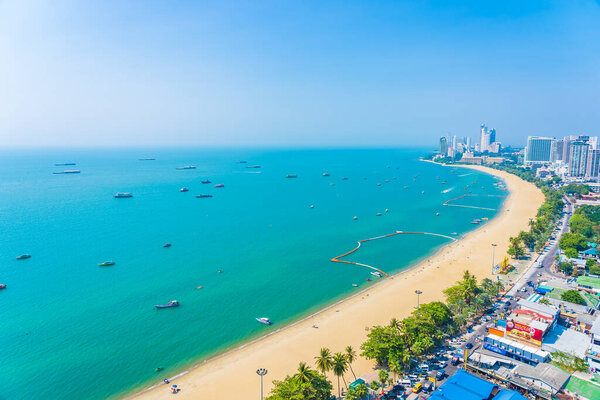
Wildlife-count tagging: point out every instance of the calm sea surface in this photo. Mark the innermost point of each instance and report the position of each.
(71, 329)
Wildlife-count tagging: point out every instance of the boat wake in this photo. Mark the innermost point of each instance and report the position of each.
(447, 190)
(464, 175)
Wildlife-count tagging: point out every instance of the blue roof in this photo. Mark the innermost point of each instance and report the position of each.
(463, 386)
(591, 251)
(590, 244)
(506, 394)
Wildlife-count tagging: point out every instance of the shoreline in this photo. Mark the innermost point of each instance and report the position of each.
(281, 350)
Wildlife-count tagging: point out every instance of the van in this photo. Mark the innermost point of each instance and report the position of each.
(417, 388)
(424, 367)
(406, 382)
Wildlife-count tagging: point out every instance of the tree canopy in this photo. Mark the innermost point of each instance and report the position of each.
(306, 384)
(573, 296)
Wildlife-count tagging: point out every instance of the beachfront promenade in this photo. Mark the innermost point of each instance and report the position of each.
(233, 375)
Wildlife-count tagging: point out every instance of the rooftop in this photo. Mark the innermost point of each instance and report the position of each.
(567, 341)
(595, 329)
(508, 395)
(547, 373)
(537, 307)
(589, 281)
(463, 386)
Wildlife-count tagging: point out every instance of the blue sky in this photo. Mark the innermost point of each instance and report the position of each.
(295, 73)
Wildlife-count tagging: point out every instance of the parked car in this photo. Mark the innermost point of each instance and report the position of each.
(440, 374)
(469, 345)
(417, 388)
(443, 364)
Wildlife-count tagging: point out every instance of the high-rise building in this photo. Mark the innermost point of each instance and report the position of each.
(566, 149)
(484, 138)
(454, 141)
(492, 135)
(578, 158)
(592, 170)
(468, 142)
(538, 150)
(443, 146)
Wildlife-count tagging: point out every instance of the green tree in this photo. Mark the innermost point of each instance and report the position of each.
(350, 357)
(594, 269)
(307, 384)
(514, 249)
(572, 240)
(544, 300)
(361, 391)
(573, 296)
(374, 386)
(571, 253)
(590, 262)
(566, 268)
(580, 224)
(324, 360)
(527, 238)
(339, 367)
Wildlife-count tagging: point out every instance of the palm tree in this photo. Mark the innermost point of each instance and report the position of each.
(304, 373)
(383, 377)
(394, 324)
(350, 357)
(361, 391)
(395, 366)
(340, 365)
(324, 361)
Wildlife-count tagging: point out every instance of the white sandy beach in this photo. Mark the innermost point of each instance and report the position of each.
(233, 375)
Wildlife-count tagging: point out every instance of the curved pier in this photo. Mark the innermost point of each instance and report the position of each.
(337, 258)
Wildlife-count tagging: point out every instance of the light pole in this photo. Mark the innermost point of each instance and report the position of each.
(262, 372)
(493, 254)
(418, 292)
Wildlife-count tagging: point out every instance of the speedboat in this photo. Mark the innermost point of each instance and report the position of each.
(122, 195)
(242, 162)
(186, 167)
(325, 173)
(219, 185)
(454, 233)
(65, 164)
(369, 280)
(377, 274)
(106, 264)
(172, 303)
(184, 189)
(147, 159)
(2, 286)
(206, 181)
(344, 178)
(355, 285)
(378, 215)
(437, 214)
(264, 320)
(291, 176)
(203, 196)
(24, 257)
(379, 184)
(253, 166)
(68, 171)
(355, 218)
(167, 245)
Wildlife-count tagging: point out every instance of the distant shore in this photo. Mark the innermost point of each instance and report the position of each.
(233, 374)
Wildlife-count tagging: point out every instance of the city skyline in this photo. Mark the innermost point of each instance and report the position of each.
(337, 75)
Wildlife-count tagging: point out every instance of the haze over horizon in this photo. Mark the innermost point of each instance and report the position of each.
(310, 73)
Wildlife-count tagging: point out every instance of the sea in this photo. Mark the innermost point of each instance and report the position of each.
(261, 246)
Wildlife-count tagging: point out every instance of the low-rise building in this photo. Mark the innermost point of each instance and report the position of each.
(546, 377)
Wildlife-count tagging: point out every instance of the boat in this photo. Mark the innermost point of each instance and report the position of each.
(325, 173)
(387, 210)
(377, 274)
(172, 303)
(147, 159)
(253, 166)
(422, 192)
(122, 195)
(186, 167)
(344, 178)
(68, 171)
(206, 181)
(184, 189)
(484, 219)
(199, 287)
(355, 218)
(264, 320)
(312, 206)
(332, 184)
(203, 196)
(167, 245)
(379, 184)
(355, 285)
(291, 176)
(454, 233)
(24, 256)
(2, 286)
(242, 162)
(437, 214)
(65, 164)
(106, 264)
(369, 280)
(219, 185)
(475, 222)
(378, 215)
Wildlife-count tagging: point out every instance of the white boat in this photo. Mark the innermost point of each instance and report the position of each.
(122, 195)
(377, 274)
(264, 320)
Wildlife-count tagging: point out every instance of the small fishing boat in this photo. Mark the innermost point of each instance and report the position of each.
(68, 171)
(206, 181)
(203, 196)
(332, 184)
(167, 245)
(387, 210)
(378, 215)
(437, 214)
(184, 189)
(220, 271)
(219, 185)
(199, 287)
(186, 167)
(422, 192)
(2, 286)
(325, 173)
(355, 285)
(122, 195)
(312, 206)
(242, 162)
(344, 178)
(172, 303)
(355, 218)
(369, 279)
(24, 256)
(475, 222)
(147, 159)
(65, 164)
(379, 184)
(405, 187)
(454, 233)
(377, 274)
(264, 320)
(253, 166)
(106, 264)
(291, 176)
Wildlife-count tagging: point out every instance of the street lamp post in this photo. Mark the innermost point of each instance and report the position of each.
(418, 292)
(493, 254)
(262, 372)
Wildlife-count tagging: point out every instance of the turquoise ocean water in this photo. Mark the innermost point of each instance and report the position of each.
(70, 329)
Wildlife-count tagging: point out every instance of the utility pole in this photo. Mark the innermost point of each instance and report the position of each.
(418, 292)
(262, 372)
(493, 254)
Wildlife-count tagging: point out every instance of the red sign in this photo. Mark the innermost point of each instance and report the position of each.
(524, 332)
